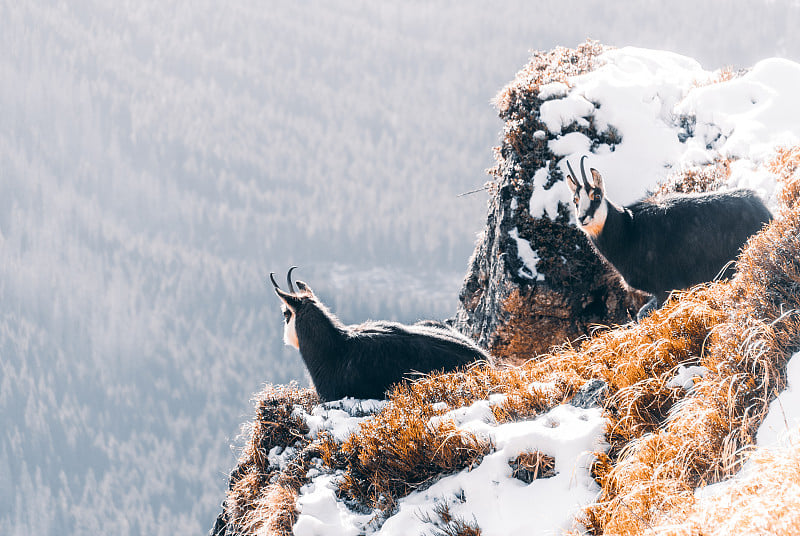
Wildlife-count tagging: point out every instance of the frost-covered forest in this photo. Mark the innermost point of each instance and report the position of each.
(158, 159)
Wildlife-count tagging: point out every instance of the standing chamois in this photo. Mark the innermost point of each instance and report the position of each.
(673, 242)
(364, 360)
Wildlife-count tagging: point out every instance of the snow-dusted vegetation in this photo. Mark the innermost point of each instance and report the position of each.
(685, 390)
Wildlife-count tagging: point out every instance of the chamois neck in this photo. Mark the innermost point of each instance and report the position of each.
(321, 337)
(616, 220)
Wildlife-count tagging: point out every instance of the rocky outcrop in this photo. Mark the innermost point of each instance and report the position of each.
(534, 279)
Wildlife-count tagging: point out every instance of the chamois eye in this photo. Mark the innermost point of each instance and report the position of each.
(287, 314)
(576, 200)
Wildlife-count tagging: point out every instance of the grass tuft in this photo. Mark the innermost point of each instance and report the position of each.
(448, 524)
(529, 466)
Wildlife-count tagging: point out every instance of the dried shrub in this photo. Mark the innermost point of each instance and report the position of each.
(720, 75)
(446, 524)
(262, 496)
(556, 65)
(529, 466)
(398, 452)
(696, 180)
(785, 166)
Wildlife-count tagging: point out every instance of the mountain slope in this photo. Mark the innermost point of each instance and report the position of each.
(682, 393)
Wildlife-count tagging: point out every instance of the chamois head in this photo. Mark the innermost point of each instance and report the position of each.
(294, 303)
(588, 198)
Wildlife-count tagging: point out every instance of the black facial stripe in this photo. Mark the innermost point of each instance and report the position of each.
(594, 204)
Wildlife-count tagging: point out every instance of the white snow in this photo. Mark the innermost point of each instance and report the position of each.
(341, 417)
(528, 256)
(545, 202)
(685, 376)
(553, 89)
(487, 493)
(646, 95)
(561, 112)
(782, 424)
(322, 515)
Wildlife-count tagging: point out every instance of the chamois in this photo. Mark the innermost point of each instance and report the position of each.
(363, 361)
(673, 242)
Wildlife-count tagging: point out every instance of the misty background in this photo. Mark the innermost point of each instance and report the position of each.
(158, 159)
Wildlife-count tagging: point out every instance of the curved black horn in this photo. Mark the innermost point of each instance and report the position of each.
(272, 278)
(583, 174)
(571, 172)
(289, 280)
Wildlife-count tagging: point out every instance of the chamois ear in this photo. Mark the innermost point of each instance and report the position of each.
(572, 181)
(303, 287)
(597, 180)
(290, 300)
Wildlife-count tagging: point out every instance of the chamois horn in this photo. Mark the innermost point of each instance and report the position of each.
(572, 173)
(583, 174)
(289, 280)
(272, 278)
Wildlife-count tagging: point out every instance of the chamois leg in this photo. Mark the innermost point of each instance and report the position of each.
(651, 305)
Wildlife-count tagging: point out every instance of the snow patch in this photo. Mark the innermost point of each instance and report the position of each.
(553, 89)
(322, 515)
(781, 427)
(573, 108)
(341, 418)
(528, 257)
(545, 202)
(685, 376)
(501, 504)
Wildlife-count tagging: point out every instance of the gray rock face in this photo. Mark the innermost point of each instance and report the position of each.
(515, 313)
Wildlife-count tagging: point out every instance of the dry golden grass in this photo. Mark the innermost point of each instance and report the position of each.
(766, 500)
(261, 497)
(665, 441)
(785, 165)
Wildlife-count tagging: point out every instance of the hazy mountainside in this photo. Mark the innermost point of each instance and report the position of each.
(158, 159)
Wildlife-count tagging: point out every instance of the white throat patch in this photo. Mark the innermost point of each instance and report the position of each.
(290, 333)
